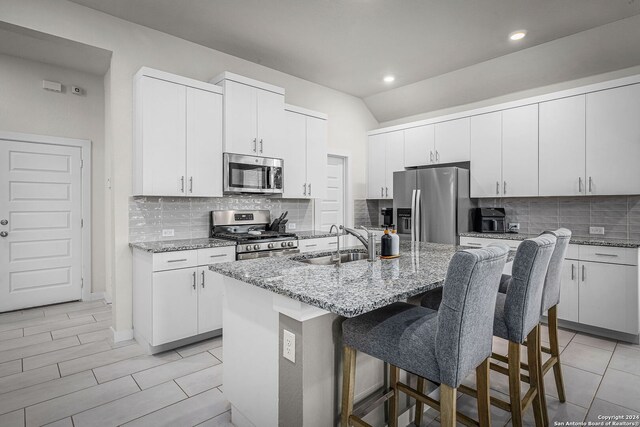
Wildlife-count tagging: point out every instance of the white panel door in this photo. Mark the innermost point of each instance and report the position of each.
(175, 305)
(317, 157)
(240, 121)
(271, 123)
(568, 307)
(486, 155)
(295, 166)
(204, 143)
(210, 293)
(163, 133)
(332, 207)
(613, 141)
(41, 202)
(520, 151)
(452, 141)
(395, 159)
(419, 146)
(376, 173)
(609, 296)
(562, 147)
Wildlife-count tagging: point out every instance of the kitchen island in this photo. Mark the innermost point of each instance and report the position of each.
(266, 296)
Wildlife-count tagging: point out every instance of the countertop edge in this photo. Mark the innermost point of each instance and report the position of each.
(574, 240)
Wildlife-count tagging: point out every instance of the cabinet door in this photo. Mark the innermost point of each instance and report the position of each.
(562, 147)
(163, 112)
(613, 141)
(376, 173)
(419, 146)
(486, 155)
(240, 122)
(271, 122)
(394, 159)
(568, 307)
(295, 165)
(609, 296)
(210, 289)
(204, 143)
(520, 151)
(317, 157)
(175, 305)
(452, 141)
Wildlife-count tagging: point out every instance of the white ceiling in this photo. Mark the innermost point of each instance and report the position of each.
(350, 45)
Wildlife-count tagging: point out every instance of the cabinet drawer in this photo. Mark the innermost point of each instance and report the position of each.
(216, 255)
(172, 260)
(573, 252)
(320, 244)
(483, 242)
(611, 255)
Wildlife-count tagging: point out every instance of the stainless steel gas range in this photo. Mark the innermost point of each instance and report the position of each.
(250, 229)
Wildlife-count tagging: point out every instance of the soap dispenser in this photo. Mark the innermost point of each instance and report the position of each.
(395, 241)
(386, 244)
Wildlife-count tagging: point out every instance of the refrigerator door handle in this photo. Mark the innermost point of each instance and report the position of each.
(418, 215)
(413, 216)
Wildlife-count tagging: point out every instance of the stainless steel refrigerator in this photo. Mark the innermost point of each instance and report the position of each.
(432, 205)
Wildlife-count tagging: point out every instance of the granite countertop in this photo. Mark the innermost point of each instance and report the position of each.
(181, 245)
(591, 241)
(355, 287)
(313, 234)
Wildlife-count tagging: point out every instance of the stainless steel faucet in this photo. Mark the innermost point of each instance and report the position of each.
(337, 258)
(369, 243)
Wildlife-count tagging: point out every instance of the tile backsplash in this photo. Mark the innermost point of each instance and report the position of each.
(619, 215)
(367, 212)
(189, 216)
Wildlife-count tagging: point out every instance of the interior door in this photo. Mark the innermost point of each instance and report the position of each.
(438, 187)
(332, 207)
(295, 167)
(240, 121)
(271, 122)
(317, 157)
(40, 222)
(204, 143)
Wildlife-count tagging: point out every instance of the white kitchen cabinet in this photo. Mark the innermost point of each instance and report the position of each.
(568, 307)
(386, 156)
(320, 244)
(176, 296)
(178, 136)
(254, 118)
(419, 144)
(486, 155)
(613, 141)
(305, 174)
(520, 151)
(452, 141)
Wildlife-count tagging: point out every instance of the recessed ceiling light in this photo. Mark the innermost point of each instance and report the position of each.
(388, 79)
(518, 35)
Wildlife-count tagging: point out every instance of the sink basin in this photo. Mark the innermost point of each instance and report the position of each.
(344, 257)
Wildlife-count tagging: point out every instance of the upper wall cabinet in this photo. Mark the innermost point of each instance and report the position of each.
(254, 120)
(520, 151)
(305, 159)
(419, 144)
(486, 155)
(452, 140)
(386, 156)
(562, 147)
(613, 141)
(177, 136)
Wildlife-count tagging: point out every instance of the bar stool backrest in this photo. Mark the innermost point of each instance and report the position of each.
(551, 292)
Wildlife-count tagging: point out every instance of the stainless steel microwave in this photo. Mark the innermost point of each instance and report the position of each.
(250, 174)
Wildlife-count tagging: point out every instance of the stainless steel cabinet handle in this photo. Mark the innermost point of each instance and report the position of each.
(309, 189)
(573, 271)
(333, 243)
(182, 184)
(190, 184)
(473, 244)
(177, 260)
(497, 187)
(387, 191)
(590, 185)
(255, 145)
(311, 246)
(4, 222)
(381, 191)
(203, 278)
(504, 188)
(583, 273)
(194, 280)
(431, 156)
(3, 234)
(305, 188)
(261, 145)
(437, 156)
(611, 255)
(217, 256)
(579, 184)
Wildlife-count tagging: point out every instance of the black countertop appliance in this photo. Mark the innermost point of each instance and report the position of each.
(490, 220)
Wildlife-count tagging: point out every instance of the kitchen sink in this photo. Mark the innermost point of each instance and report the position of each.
(327, 259)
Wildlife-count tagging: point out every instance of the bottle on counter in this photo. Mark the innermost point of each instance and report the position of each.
(385, 243)
(395, 241)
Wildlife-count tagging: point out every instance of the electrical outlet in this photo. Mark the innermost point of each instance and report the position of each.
(289, 345)
(292, 226)
(167, 232)
(596, 230)
(514, 226)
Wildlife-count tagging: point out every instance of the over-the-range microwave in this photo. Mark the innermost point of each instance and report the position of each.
(251, 174)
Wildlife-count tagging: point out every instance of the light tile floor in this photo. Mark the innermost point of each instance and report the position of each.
(59, 367)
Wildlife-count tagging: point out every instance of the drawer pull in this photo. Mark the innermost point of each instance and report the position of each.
(311, 246)
(177, 260)
(611, 255)
(333, 243)
(473, 244)
(217, 256)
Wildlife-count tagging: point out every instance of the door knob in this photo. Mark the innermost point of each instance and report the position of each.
(3, 234)
(4, 222)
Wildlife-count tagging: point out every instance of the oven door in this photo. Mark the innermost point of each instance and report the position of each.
(249, 174)
(267, 254)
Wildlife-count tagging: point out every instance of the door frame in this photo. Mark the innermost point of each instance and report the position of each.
(85, 184)
(348, 199)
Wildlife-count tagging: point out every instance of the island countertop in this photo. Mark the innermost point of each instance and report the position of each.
(588, 241)
(181, 245)
(355, 287)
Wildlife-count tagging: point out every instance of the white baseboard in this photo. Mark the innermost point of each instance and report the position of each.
(107, 297)
(119, 336)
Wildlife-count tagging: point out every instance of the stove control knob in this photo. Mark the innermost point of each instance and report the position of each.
(283, 244)
(256, 247)
(249, 247)
(270, 245)
(290, 244)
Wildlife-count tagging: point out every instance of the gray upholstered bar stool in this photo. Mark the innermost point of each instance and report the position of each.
(516, 319)
(550, 301)
(443, 346)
